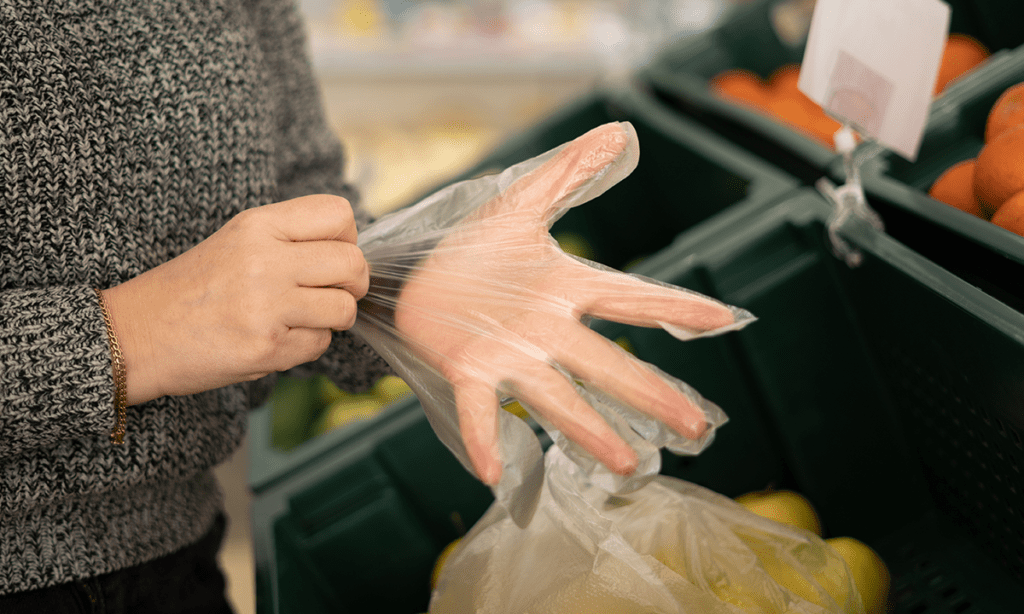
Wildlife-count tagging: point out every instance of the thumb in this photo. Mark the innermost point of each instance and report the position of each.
(579, 171)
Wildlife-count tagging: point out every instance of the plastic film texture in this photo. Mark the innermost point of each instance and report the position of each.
(671, 547)
(472, 302)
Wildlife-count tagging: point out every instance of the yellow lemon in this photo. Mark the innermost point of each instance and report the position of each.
(624, 343)
(868, 570)
(390, 388)
(829, 575)
(746, 599)
(516, 409)
(350, 409)
(575, 245)
(439, 563)
(783, 506)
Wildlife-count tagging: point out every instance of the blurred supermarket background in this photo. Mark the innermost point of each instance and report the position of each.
(420, 89)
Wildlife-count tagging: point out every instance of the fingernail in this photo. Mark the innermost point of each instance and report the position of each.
(491, 475)
(626, 462)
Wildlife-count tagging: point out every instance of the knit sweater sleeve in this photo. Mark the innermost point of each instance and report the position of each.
(40, 330)
(309, 160)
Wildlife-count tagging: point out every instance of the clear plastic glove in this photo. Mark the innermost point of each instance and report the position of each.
(472, 301)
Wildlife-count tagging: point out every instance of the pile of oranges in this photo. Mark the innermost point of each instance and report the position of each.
(991, 186)
(961, 54)
(778, 97)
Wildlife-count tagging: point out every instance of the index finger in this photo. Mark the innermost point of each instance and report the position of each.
(629, 299)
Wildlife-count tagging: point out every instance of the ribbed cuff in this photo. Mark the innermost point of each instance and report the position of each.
(55, 376)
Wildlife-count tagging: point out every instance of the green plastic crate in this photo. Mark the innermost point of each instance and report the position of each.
(976, 250)
(747, 38)
(353, 520)
(890, 394)
(686, 174)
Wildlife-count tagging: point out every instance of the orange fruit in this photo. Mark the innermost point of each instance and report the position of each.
(961, 54)
(1007, 112)
(955, 187)
(804, 115)
(999, 173)
(779, 97)
(742, 86)
(793, 113)
(783, 82)
(796, 108)
(824, 126)
(1011, 214)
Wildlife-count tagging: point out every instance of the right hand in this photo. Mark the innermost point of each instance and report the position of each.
(262, 294)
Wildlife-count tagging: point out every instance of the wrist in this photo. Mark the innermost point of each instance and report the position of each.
(133, 337)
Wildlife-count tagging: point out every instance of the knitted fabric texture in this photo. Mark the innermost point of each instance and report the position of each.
(130, 130)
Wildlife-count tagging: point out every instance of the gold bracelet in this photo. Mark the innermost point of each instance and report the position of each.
(120, 376)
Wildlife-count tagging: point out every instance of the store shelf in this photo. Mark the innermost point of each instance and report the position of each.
(473, 59)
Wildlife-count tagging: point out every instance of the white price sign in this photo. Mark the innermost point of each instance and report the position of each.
(873, 64)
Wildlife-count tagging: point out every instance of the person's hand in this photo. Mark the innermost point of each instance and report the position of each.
(496, 308)
(262, 294)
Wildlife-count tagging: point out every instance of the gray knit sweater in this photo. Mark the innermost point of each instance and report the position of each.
(130, 130)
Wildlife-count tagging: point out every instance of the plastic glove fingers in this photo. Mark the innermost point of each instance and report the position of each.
(549, 393)
(541, 190)
(629, 299)
(477, 407)
(320, 308)
(311, 218)
(331, 263)
(598, 361)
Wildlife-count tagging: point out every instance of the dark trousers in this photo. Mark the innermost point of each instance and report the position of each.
(185, 582)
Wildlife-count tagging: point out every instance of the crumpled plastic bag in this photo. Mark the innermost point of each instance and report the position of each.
(671, 547)
(473, 303)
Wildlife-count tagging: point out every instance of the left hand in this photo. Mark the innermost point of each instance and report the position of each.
(496, 306)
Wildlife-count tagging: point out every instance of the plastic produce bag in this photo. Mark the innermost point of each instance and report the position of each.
(669, 547)
(472, 302)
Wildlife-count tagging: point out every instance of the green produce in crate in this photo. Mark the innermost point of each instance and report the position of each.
(293, 404)
(574, 244)
(326, 391)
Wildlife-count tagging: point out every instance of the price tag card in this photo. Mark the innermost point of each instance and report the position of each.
(873, 64)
